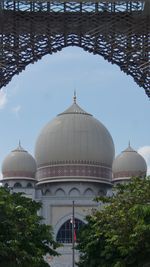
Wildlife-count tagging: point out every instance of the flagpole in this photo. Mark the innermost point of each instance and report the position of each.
(73, 241)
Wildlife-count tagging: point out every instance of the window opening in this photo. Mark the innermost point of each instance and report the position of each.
(65, 232)
(17, 185)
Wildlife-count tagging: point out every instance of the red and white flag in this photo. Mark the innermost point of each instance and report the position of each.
(75, 236)
(74, 230)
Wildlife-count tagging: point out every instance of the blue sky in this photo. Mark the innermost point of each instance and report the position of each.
(46, 88)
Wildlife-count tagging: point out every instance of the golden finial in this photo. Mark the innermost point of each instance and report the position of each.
(75, 97)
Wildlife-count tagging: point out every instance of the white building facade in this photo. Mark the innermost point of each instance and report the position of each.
(74, 159)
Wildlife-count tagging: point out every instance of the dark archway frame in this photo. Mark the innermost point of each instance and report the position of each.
(119, 33)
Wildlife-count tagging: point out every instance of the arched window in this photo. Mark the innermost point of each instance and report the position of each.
(17, 185)
(65, 232)
(6, 185)
(102, 192)
(74, 192)
(59, 192)
(47, 192)
(29, 185)
(89, 192)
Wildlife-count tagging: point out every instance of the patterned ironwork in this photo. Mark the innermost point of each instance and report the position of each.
(118, 31)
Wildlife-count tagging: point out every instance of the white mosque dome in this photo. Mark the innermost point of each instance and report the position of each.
(75, 141)
(128, 164)
(19, 163)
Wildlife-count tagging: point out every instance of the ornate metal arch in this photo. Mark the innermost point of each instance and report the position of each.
(118, 31)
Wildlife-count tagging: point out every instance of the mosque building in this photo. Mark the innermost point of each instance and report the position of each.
(74, 162)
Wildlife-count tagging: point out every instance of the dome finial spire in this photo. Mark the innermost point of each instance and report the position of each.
(74, 97)
(19, 145)
(129, 144)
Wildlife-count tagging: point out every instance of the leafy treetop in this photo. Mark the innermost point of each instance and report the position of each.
(118, 234)
(24, 239)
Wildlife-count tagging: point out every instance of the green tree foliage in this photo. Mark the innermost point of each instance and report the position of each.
(23, 238)
(118, 233)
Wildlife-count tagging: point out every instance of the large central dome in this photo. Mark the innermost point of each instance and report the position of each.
(74, 139)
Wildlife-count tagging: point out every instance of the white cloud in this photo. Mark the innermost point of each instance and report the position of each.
(16, 110)
(3, 98)
(145, 152)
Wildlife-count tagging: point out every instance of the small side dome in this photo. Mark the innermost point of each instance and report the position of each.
(19, 164)
(128, 164)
